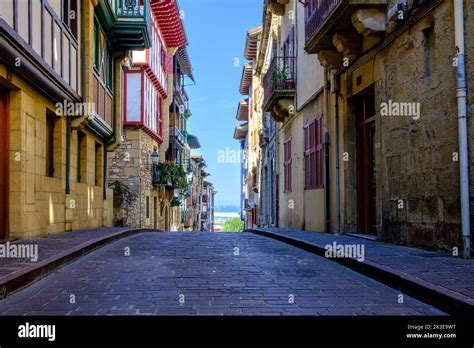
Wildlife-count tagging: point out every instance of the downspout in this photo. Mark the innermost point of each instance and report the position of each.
(328, 182)
(104, 173)
(461, 92)
(68, 154)
(338, 185)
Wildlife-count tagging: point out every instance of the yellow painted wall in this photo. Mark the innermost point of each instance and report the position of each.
(39, 204)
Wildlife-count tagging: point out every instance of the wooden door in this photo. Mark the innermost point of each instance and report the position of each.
(366, 169)
(4, 121)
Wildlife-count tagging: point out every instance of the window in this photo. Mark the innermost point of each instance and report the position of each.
(287, 165)
(81, 156)
(429, 51)
(50, 124)
(147, 207)
(99, 158)
(70, 15)
(159, 111)
(313, 154)
(103, 62)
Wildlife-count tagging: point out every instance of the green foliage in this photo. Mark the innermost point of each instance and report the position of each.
(172, 174)
(233, 225)
(175, 203)
(278, 75)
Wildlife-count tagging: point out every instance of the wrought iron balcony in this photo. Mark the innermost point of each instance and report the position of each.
(132, 29)
(279, 83)
(318, 12)
(325, 17)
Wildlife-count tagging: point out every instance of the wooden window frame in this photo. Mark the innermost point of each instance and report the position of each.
(314, 154)
(319, 148)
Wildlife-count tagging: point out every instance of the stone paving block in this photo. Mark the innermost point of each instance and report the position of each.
(108, 283)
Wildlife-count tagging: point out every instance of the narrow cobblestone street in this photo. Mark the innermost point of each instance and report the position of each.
(207, 274)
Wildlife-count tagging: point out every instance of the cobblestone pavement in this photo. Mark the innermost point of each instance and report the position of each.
(440, 269)
(207, 274)
(54, 244)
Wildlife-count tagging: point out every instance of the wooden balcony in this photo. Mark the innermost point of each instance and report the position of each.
(279, 87)
(49, 49)
(326, 17)
(128, 21)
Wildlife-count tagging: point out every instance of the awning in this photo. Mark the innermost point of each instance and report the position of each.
(193, 142)
(241, 131)
(184, 62)
(246, 79)
(243, 110)
(250, 51)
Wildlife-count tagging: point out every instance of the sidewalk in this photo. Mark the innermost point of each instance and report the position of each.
(54, 251)
(439, 279)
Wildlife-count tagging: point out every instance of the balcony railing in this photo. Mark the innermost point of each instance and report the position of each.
(319, 11)
(176, 133)
(130, 8)
(180, 98)
(280, 77)
(133, 24)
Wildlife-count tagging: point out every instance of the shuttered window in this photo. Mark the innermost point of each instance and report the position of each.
(314, 154)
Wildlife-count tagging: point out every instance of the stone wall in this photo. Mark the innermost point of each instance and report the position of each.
(417, 172)
(130, 166)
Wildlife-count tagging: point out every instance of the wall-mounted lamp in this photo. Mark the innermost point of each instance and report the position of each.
(155, 156)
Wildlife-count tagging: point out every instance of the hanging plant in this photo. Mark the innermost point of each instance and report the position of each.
(175, 203)
(171, 174)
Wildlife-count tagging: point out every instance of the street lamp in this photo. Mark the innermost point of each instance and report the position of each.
(155, 156)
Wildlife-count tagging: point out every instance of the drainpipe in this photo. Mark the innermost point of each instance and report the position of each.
(68, 154)
(461, 92)
(328, 182)
(338, 186)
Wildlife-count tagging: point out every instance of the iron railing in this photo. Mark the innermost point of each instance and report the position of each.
(317, 13)
(280, 76)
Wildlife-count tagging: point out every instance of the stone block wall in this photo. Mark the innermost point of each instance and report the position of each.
(420, 192)
(130, 167)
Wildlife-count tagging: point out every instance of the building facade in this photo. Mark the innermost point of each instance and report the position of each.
(207, 207)
(149, 170)
(370, 101)
(60, 82)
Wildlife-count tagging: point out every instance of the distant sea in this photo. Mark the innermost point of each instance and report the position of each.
(227, 208)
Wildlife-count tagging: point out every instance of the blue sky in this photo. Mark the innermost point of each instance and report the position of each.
(216, 31)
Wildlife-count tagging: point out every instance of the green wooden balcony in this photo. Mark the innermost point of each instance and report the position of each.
(132, 28)
(128, 22)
